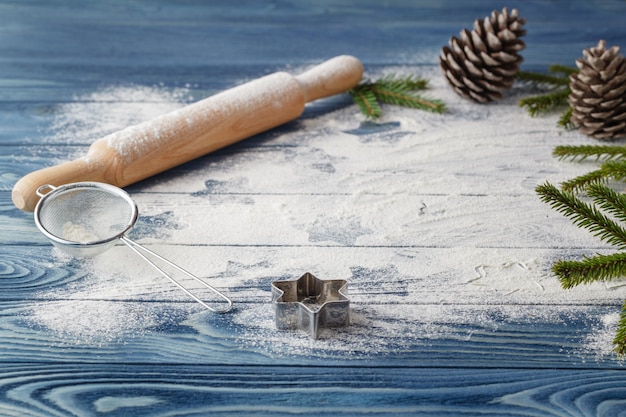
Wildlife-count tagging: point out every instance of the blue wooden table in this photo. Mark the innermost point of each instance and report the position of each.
(432, 220)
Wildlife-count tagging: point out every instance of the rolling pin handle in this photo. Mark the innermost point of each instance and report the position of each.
(26, 192)
(337, 75)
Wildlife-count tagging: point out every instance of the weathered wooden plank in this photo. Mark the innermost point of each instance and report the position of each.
(407, 307)
(253, 33)
(165, 390)
(387, 335)
(374, 220)
(369, 220)
(377, 275)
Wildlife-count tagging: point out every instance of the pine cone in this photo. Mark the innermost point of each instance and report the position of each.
(598, 97)
(484, 62)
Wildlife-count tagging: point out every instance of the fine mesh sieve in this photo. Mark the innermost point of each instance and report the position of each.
(87, 218)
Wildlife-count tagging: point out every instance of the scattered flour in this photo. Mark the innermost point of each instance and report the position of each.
(431, 218)
(93, 116)
(599, 342)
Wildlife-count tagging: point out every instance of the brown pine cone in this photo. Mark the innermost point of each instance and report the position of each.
(484, 62)
(598, 97)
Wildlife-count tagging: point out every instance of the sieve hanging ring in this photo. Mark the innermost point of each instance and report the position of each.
(86, 218)
(40, 191)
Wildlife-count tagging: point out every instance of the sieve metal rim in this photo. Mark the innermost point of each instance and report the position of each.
(111, 189)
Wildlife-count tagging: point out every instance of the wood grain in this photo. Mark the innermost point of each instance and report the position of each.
(39, 390)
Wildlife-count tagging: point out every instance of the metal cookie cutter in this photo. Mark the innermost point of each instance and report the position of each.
(309, 303)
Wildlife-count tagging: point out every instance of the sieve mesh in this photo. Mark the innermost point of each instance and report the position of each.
(85, 218)
(86, 214)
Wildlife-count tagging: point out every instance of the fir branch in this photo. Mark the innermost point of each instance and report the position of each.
(590, 269)
(550, 101)
(410, 82)
(565, 121)
(365, 98)
(620, 335)
(598, 267)
(545, 102)
(401, 97)
(615, 170)
(542, 78)
(563, 69)
(582, 181)
(582, 152)
(395, 90)
(608, 200)
(583, 215)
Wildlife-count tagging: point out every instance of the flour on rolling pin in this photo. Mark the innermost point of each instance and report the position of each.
(149, 148)
(139, 141)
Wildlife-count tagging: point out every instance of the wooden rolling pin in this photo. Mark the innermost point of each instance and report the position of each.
(141, 151)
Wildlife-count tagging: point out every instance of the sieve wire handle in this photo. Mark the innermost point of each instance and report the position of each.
(143, 252)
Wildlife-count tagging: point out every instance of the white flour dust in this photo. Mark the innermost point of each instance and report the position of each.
(93, 116)
(431, 218)
(105, 302)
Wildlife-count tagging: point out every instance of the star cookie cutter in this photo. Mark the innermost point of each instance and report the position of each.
(309, 303)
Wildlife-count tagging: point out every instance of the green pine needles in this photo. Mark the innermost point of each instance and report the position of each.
(612, 167)
(604, 216)
(584, 152)
(590, 216)
(558, 81)
(395, 90)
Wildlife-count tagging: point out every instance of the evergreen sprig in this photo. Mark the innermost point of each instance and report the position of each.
(540, 78)
(613, 166)
(609, 200)
(367, 101)
(585, 215)
(605, 217)
(582, 152)
(590, 269)
(562, 69)
(558, 80)
(545, 102)
(599, 267)
(565, 121)
(395, 90)
(609, 170)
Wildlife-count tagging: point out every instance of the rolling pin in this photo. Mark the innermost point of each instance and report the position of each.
(138, 152)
